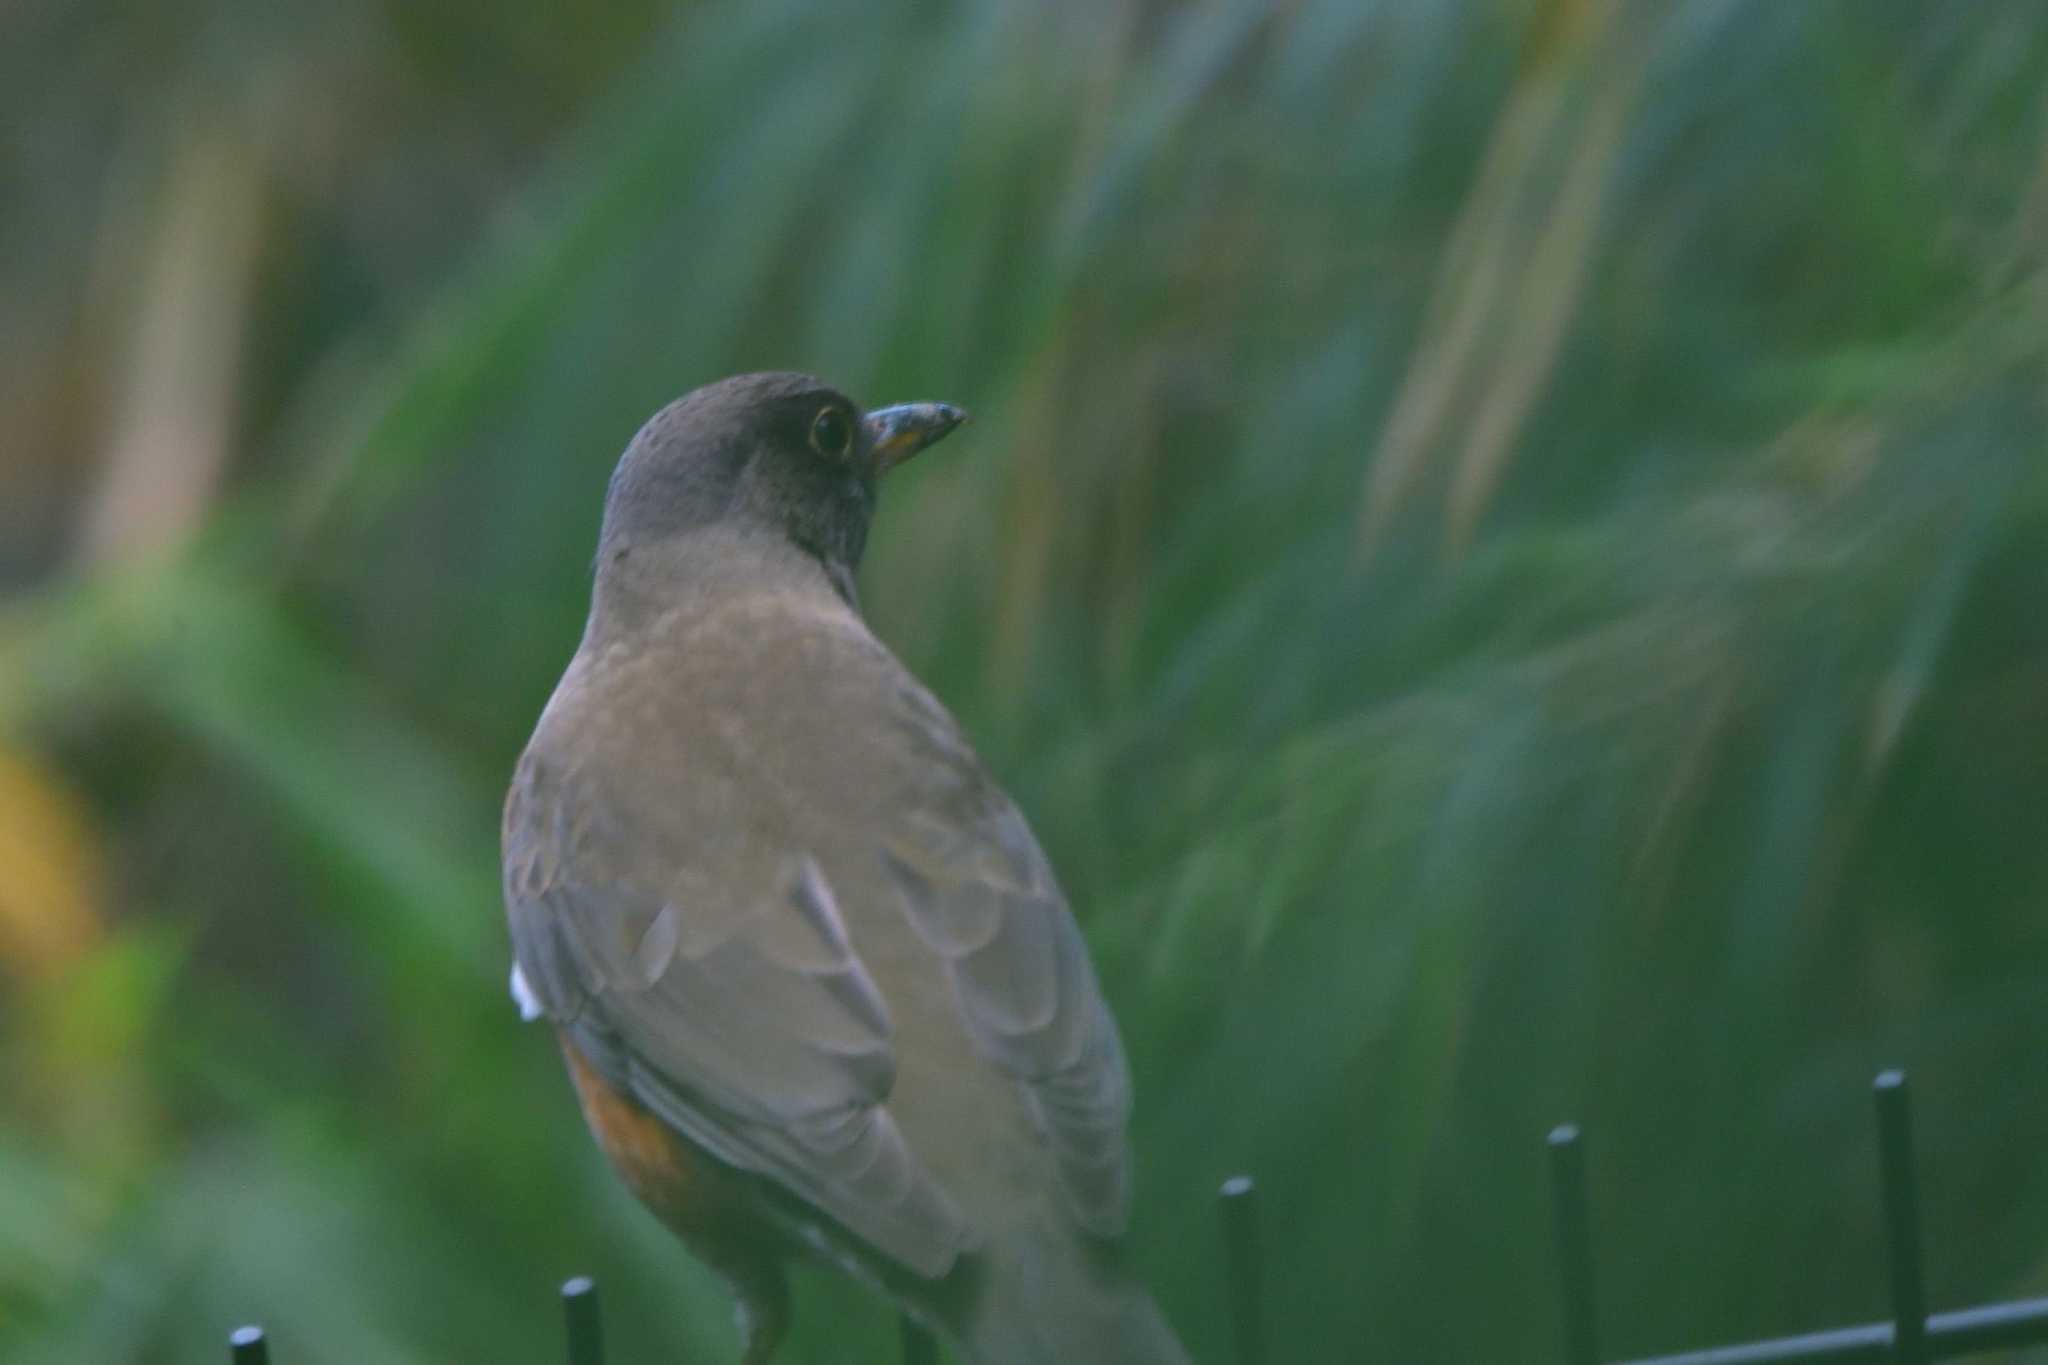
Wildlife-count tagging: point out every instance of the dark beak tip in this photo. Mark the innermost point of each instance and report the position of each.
(902, 431)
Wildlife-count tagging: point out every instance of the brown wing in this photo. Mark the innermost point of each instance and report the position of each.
(981, 895)
(745, 1018)
(752, 1028)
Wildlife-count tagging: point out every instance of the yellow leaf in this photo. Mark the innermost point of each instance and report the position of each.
(51, 893)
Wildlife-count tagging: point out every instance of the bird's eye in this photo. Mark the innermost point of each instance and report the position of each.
(831, 434)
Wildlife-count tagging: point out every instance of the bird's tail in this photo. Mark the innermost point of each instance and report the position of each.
(1046, 1301)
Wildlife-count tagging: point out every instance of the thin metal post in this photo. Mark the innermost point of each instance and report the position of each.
(585, 1323)
(1901, 1219)
(919, 1346)
(1574, 1244)
(1239, 1202)
(248, 1346)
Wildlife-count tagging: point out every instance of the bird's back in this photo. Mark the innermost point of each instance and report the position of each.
(828, 949)
(735, 803)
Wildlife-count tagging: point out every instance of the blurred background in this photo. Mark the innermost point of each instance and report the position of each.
(1504, 551)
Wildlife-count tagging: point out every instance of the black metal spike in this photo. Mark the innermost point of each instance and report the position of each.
(248, 1346)
(1574, 1245)
(1901, 1218)
(919, 1346)
(1238, 1200)
(580, 1312)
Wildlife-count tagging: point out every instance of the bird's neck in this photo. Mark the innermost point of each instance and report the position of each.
(642, 581)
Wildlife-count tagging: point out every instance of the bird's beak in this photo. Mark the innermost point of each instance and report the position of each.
(900, 432)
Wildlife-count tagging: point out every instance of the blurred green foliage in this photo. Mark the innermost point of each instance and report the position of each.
(1505, 551)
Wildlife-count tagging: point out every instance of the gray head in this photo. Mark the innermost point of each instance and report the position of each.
(781, 453)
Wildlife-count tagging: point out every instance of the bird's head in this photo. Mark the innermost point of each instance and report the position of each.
(784, 454)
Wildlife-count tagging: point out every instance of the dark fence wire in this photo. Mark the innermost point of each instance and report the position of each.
(1911, 1337)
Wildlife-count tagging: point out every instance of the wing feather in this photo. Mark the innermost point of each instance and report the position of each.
(980, 893)
(751, 1024)
(794, 1090)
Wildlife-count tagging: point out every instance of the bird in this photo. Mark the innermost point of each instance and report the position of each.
(816, 986)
